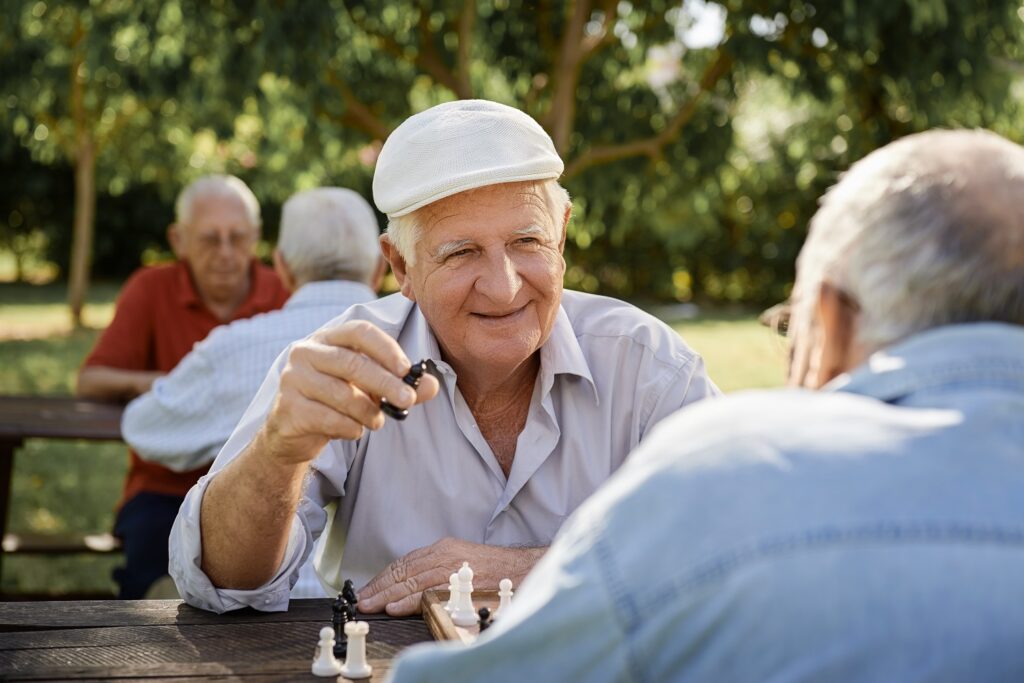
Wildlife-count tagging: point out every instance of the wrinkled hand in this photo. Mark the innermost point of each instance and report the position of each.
(399, 588)
(331, 389)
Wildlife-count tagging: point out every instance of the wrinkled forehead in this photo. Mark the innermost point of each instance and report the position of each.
(524, 202)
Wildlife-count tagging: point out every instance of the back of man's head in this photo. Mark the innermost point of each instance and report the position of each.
(924, 232)
(329, 233)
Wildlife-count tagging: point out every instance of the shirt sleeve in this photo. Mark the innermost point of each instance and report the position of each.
(689, 384)
(185, 542)
(153, 423)
(127, 342)
(563, 625)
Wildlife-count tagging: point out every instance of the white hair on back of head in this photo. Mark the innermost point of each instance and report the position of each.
(403, 231)
(216, 186)
(925, 232)
(329, 233)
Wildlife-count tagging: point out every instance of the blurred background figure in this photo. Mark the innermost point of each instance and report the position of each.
(870, 531)
(329, 257)
(161, 313)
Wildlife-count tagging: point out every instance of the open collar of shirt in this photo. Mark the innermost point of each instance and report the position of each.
(561, 355)
(975, 353)
(329, 293)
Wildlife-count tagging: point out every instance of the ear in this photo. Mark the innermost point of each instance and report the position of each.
(284, 272)
(837, 349)
(565, 227)
(378, 275)
(398, 267)
(176, 238)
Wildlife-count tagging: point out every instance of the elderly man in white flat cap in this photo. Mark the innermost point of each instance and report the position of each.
(535, 395)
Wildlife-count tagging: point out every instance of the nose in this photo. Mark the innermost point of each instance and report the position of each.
(500, 281)
(225, 249)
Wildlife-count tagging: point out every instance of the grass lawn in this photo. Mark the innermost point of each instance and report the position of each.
(69, 486)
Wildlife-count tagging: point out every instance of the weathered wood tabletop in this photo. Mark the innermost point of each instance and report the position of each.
(166, 640)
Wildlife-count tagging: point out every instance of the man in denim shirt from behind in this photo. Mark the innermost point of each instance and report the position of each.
(870, 531)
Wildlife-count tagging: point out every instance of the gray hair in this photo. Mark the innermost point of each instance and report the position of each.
(925, 232)
(329, 233)
(216, 186)
(404, 231)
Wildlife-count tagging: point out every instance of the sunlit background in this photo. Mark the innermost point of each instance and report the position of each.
(697, 138)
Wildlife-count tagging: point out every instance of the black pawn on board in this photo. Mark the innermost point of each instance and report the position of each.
(485, 618)
(413, 380)
(339, 617)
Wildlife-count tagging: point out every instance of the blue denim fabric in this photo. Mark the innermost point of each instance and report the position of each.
(870, 532)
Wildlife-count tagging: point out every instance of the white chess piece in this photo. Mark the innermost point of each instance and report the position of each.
(355, 663)
(453, 592)
(504, 596)
(324, 664)
(464, 614)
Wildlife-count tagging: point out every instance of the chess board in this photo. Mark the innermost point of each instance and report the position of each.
(440, 622)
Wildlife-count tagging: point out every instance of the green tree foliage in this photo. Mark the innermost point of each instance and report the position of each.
(694, 165)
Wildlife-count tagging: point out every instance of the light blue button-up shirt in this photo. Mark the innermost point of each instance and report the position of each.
(870, 532)
(608, 374)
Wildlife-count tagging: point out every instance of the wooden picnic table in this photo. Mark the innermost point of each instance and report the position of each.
(166, 640)
(49, 417)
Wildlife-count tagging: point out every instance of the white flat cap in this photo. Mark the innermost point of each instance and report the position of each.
(458, 146)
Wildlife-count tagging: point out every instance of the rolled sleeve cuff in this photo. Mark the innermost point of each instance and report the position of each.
(185, 550)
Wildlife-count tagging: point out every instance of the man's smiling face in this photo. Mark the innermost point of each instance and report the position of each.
(488, 273)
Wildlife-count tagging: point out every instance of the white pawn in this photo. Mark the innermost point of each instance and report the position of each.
(464, 614)
(453, 592)
(504, 595)
(355, 663)
(325, 664)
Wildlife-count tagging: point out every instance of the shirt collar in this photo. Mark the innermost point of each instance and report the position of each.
(187, 293)
(329, 293)
(989, 353)
(561, 354)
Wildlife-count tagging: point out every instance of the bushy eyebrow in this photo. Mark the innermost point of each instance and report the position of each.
(446, 249)
(531, 231)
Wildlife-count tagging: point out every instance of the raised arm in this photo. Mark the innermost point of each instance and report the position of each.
(330, 389)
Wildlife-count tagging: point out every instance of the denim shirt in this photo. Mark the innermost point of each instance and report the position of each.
(870, 532)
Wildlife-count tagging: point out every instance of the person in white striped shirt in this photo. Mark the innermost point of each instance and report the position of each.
(329, 257)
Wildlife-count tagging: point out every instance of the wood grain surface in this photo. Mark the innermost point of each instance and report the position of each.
(166, 640)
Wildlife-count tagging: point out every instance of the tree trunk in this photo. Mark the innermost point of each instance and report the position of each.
(82, 237)
(85, 183)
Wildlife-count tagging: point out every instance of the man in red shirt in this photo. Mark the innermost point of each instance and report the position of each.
(161, 312)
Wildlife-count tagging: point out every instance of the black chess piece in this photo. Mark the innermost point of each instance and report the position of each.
(340, 615)
(348, 592)
(413, 380)
(485, 618)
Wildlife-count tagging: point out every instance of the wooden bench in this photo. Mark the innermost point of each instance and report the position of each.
(51, 417)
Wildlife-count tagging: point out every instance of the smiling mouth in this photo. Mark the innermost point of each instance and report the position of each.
(498, 317)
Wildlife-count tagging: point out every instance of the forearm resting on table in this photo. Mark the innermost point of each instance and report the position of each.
(246, 516)
(114, 384)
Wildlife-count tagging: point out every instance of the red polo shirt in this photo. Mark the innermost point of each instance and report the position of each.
(159, 317)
